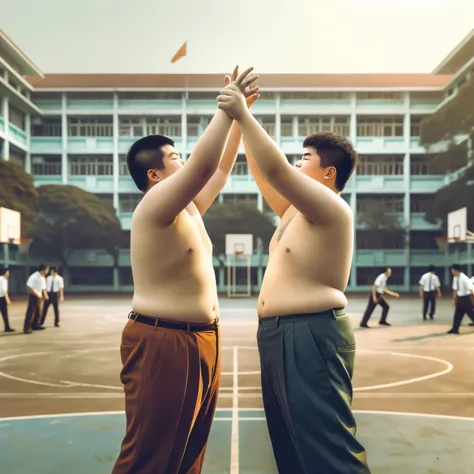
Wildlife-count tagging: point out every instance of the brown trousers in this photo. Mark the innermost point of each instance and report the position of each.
(171, 382)
(32, 316)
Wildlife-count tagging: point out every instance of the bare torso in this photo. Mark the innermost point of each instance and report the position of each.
(172, 268)
(308, 267)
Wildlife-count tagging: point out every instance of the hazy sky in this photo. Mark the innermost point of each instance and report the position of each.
(141, 36)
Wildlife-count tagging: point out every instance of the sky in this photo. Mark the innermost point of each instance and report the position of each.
(300, 36)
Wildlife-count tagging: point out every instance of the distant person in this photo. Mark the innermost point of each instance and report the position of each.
(463, 298)
(55, 290)
(170, 346)
(305, 337)
(376, 297)
(36, 286)
(430, 287)
(4, 298)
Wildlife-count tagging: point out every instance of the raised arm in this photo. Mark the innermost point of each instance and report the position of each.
(273, 198)
(166, 199)
(314, 200)
(214, 186)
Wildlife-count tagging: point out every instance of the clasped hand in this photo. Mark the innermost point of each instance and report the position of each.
(238, 88)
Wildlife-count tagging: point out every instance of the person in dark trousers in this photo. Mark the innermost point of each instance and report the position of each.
(430, 287)
(463, 298)
(376, 297)
(36, 286)
(4, 298)
(55, 289)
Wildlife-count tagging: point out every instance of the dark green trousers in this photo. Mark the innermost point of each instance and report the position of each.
(307, 362)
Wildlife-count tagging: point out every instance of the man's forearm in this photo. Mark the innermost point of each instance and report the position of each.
(34, 292)
(210, 146)
(268, 157)
(231, 149)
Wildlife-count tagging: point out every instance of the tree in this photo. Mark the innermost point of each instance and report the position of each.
(456, 195)
(381, 228)
(72, 219)
(18, 193)
(451, 129)
(236, 218)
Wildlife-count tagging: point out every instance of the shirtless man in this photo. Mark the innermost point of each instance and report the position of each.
(170, 345)
(305, 338)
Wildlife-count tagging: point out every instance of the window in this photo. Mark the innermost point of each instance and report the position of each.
(380, 127)
(92, 275)
(424, 239)
(420, 202)
(379, 95)
(46, 128)
(90, 127)
(380, 165)
(388, 202)
(17, 118)
(125, 276)
(46, 165)
(151, 95)
(367, 276)
(268, 125)
(240, 169)
(313, 124)
(128, 202)
(415, 126)
(247, 198)
(91, 166)
(123, 168)
(170, 127)
(90, 95)
(286, 126)
(203, 95)
(307, 95)
(130, 127)
(197, 125)
(422, 165)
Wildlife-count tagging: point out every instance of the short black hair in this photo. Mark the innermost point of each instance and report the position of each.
(431, 268)
(387, 269)
(145, 154)
(42, 267)
(4, 270)
(334, 150)
(54, 269)
(456, 267)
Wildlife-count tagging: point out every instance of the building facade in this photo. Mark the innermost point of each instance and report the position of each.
(76, 129)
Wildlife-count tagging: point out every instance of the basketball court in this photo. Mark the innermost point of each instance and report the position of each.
(62, 399)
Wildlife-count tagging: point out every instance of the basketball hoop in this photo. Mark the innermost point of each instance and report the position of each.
(442, 241)
(24, 245)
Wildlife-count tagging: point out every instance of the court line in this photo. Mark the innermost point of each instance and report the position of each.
(234, 448)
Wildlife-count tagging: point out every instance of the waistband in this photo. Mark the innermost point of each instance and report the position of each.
(463, 296)
(294, 318)
(178, 325)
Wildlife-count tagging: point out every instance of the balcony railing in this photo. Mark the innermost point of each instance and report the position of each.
(46, 169)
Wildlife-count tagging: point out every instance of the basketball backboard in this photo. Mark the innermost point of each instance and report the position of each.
(239, 244)
(10, 226)
(457, 225)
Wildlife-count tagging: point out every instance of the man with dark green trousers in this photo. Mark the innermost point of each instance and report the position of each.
(305, 338)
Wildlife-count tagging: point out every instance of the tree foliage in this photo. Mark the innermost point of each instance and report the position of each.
(71, 219)
(454, 196)
(17, 192)
(454, 118)
(236, 218)
(376, 218)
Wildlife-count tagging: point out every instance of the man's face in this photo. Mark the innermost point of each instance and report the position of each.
(455, 272)
(310, 165)
(43, 272)
(388, 272)
(171, 163)
(7, 274)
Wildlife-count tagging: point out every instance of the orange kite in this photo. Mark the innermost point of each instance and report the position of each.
(180, 54)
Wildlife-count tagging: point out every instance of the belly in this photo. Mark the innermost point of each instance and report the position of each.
(287, 291)
(185, 292)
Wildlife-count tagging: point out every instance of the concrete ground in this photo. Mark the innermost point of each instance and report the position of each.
(62, 402)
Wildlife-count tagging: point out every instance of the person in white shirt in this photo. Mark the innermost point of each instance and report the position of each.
(376, 297)
(430, 287)
(55, 289)
(36, 286)
(4, 298)
(463, 298)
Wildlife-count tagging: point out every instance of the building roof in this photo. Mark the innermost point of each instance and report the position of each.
(458, 57)
(186, 81)
(27, 66)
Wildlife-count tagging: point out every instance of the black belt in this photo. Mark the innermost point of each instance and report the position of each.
(162, 323)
